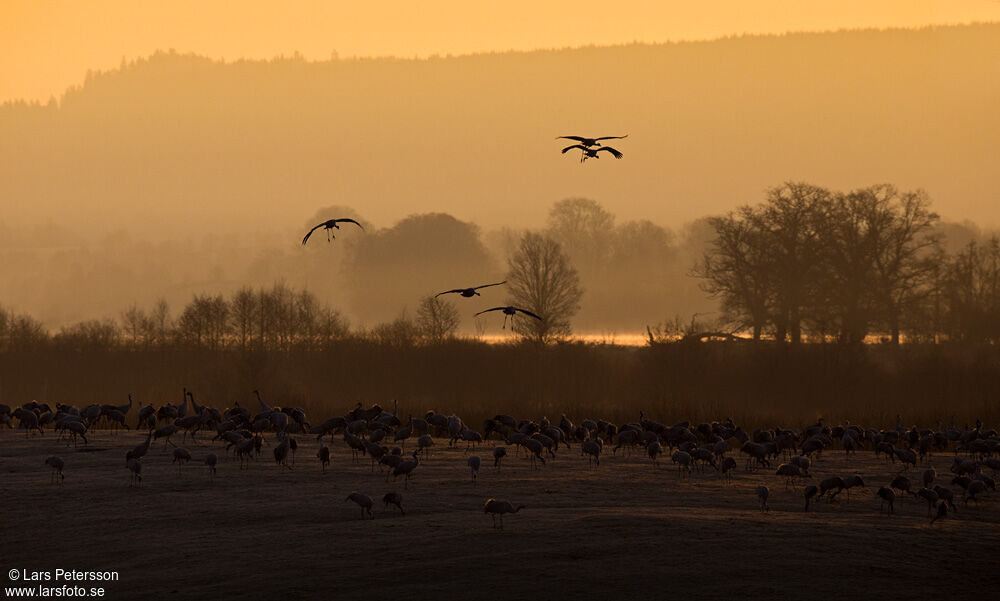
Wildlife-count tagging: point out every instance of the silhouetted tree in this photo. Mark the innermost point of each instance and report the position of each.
(204, 322)
(242, 311)
(832, 263)
(135, 326)
(541, 279)
(90, 336)
(735, 271)
(400, 332)
(19, 333)
(437, 319)
(971, 293)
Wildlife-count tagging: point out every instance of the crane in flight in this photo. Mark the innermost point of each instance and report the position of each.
(331, 224)
(469, 292)
(510, 311)
(588, 142)
(591, 153)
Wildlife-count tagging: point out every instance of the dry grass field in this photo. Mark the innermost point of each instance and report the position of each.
(623, 529)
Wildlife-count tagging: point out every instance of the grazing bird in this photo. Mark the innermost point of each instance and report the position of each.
(405, 469)
(56, 463)
(469, 292)
(499, 508)
(511, 312)
(592, 449)
(726, 467)
(474, 463)
(809, 493)
(791, 471)
(324, 456)
(394, 498)
(942, 511)
(831, 483)
(683, 461)
(330, 225)
(135, 467)
(762, 494)
(498, 454)
(888, 497)
(210, 461)
(974, 488)
(928, 476)
(902, 484)
(654, 450)
(281, 453)
(166, 432)
(424, 442)
(588, 142)
(850, 482)
(363, 501)
(181, 456)
(591, 153)
(930, 496)
(946, 495)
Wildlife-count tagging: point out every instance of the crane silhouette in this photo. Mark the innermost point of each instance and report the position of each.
(588, 142)
(469, 292)
(591, 153)
(510, 311)
(330, 224)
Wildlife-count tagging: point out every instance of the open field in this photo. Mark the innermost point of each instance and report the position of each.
(625, 528)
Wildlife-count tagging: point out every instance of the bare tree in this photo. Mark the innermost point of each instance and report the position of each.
(135, 326)
(541, 279)
(437, 319)
(160, 325)
(243, 308)
(205, 322)
(971, 293)
(400, 332)
(735, 271)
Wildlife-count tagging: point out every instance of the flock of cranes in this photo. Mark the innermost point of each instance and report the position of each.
(589, 147)
(693, 448)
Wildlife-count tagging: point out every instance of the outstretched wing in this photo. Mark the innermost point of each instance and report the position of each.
(488, 285)
(493, 309)
(526, 312)
(449, 292)
(311, 232)
(616, 153)
(612, 137)
(348, 220)
(574, 146)
(577, 138)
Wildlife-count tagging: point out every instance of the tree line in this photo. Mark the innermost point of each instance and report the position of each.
(817, 264)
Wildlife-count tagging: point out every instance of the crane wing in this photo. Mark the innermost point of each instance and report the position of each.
(572, 147)
(304, 240)
(488, 285)
(577, 138)
(529, 313)
(348, 220)
(493, 309)
(617, 154)
(612, 137)
(449, 292)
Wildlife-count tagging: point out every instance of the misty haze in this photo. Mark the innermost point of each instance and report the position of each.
(178, 175)
(716, 318)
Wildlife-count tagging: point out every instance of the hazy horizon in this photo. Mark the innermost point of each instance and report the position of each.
(180, 174)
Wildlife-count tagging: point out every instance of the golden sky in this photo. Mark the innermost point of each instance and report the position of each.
(48, 45)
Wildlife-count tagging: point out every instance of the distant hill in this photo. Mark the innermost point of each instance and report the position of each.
(184, 143)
